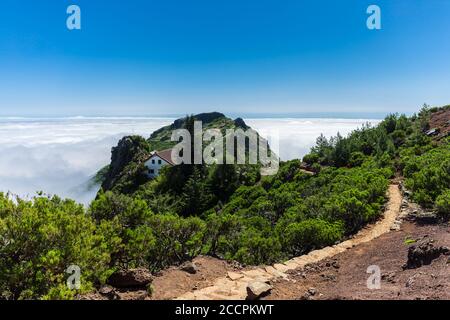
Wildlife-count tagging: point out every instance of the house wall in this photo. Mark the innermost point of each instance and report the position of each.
(156, 167)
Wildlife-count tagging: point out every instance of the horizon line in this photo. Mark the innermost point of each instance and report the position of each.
(248, 115)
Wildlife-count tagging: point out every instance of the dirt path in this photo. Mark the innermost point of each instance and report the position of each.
(344, 276)
(234, 285)
(173, 282)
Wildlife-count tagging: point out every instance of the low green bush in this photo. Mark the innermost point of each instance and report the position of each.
(443, 203)
(311, 234)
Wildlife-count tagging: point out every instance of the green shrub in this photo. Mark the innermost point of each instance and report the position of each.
(257, 250)
(443, 203)
(316, 167)
(40, 239)
(427, 174)
(356, 159)
(311, 158)
(176, 240)
(311, 234)
(131, 212)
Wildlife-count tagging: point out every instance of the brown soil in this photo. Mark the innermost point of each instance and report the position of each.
(173, 282)
(344, 276)
(441, 120)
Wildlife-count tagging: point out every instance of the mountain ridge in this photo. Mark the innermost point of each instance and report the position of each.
(128, 156)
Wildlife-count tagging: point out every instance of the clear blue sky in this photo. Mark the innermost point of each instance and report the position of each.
(144, 57)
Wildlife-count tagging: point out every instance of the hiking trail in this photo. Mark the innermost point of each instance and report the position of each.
(234, 285)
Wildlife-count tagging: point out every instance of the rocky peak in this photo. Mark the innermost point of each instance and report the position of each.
(129, 149)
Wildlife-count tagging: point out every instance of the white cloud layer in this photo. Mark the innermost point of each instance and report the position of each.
(59, 156)
(297, 136)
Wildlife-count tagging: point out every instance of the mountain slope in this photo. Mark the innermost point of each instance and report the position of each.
(160, 139)
(126, 171)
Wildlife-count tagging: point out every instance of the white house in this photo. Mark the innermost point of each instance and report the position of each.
(157, 160)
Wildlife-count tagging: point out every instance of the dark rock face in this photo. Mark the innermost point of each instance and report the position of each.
(421, 217)
(129, 149)
(133, 278)
(189, 267)
(423, 253)
(240, 123)
(203, 117)
(208, 117)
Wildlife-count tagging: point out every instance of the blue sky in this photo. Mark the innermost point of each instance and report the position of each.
(146, 57)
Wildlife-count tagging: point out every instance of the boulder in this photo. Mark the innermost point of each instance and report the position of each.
(309, 294)
(396, 226)
(132, 278)
(189, 267)
(423, 253)
(257, 289)
(235, 275)
(312, 291)
(426, 218)
(240, 123)
(108, 292)
(404, 204)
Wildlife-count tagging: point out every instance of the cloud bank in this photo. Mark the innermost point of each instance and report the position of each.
(297, 136)
(59, 156)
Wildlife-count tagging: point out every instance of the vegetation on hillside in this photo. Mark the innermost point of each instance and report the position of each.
(41, 238)
(127, 172)
(228, 211)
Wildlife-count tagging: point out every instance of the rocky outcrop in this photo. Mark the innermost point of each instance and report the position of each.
(205, 118)
(240, 123)
(440, 120)
(423, 253)
(208, 117)
(189, 267)
(257, 289)
(423, 217)
(412, 211)
(130, 150)
(132, 278)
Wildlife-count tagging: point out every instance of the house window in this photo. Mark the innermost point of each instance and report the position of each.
(159, 162)
(152, 171)
(153, 161)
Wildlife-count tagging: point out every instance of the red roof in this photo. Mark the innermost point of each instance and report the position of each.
(166, 155)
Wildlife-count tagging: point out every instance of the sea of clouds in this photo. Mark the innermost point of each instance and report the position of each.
(297, 136)
(60, 156)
